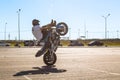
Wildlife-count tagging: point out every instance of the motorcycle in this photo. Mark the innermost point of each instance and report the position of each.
(53, 41)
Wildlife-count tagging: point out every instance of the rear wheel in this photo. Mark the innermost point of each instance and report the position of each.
(49, 59)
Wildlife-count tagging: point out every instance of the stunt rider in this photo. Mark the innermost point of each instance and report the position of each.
(40, 32)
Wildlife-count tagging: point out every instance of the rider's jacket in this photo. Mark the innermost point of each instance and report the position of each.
(37, 32)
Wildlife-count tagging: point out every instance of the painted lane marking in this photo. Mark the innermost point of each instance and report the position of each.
(27, 77)
(118, 74)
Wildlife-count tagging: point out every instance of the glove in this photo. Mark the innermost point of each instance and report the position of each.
(52, 21)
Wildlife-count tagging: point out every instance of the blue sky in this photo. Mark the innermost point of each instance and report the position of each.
(78, 14)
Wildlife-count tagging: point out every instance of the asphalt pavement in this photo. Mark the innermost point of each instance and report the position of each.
(73, 63)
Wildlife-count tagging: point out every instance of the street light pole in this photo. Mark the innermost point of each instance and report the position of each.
(78, 33)
(5, 31)
(9, 36)
(85, 29)
(19, 24)
(118, 34)
(105, 17)
(69, 33)
(86, 34)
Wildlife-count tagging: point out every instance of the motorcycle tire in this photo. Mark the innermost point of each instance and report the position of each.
(65, 27)
(47, 60)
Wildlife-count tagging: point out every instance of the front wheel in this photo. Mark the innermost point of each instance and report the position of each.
(49, 59)
(62, 28)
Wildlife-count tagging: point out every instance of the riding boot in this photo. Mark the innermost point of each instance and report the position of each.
(42, 51)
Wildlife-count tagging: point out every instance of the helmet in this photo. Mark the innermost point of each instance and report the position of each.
(35, 22)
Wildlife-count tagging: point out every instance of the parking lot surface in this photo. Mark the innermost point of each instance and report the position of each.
(90, 63)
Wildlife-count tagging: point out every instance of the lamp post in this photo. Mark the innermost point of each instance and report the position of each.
(108, 34)
(78, 33)
(86, 34)
(118, 34)
(9, 36)
(105, 17)
(69, 33)
(85, 29)
(19, 24)
(5, 31)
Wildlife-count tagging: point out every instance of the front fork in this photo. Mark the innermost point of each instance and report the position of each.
(52, 44)
(50, 48)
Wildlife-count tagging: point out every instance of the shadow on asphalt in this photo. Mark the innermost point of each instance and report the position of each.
(42, 70)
